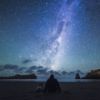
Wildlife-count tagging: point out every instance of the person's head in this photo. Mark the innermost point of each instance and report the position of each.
(51, 76)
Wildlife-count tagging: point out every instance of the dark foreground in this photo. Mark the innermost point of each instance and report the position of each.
(70, 91)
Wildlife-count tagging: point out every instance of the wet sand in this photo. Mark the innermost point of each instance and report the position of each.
(70, 91)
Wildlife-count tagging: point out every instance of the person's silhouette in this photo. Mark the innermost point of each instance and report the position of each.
(52, 85)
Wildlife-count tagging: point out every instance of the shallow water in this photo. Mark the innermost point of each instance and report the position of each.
(62, 80)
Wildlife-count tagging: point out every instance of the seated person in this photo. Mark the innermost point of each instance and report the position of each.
(52, 85)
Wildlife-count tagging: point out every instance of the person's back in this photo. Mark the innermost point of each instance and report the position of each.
(52, 85)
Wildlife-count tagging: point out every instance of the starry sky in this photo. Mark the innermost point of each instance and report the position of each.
(55, 34)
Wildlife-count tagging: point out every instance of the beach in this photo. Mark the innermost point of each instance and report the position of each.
(15, 90)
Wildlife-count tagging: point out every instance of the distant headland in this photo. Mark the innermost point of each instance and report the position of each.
(93, 74)
(18, 76)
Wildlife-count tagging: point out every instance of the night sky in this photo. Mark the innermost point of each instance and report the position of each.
(55, 34)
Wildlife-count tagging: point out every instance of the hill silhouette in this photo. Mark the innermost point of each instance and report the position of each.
(94, 74)
(18, 76)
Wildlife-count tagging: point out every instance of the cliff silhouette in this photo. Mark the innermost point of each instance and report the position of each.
(93, 74)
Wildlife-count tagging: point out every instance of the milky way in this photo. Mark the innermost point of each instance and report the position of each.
(55, 51)
(55, 34)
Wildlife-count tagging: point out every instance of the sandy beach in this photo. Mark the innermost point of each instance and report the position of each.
(70, 91)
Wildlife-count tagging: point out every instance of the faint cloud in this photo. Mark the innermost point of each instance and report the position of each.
(26, 61)
(8, 67)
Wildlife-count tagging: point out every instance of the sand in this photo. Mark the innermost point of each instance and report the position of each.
(70, 91)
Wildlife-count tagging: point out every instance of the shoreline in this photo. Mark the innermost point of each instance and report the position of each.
(43, 81)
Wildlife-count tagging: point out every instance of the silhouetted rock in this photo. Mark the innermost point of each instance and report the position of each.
(77, 76)
(17, 76)
(94, 74)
